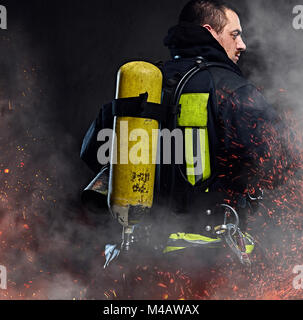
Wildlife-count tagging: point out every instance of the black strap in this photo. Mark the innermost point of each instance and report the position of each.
(201, 65)
(138, 107)
(207, 64)
(199, 59)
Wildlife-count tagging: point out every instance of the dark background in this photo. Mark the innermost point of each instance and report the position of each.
(58, 65)
(79, 46)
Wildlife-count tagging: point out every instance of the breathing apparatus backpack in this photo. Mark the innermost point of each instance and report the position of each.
(137, 177)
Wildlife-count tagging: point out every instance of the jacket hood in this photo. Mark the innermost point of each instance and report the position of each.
(189, 40)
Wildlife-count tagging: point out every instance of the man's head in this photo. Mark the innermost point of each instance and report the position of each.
(220, 20)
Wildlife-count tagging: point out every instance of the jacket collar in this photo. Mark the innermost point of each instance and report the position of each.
(189, 40)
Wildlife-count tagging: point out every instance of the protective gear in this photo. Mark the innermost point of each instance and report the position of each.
(234, 143)
(240, 122)
(242, 245)
(215, 236)
(193, 117)
(135, 113)
(131, 184)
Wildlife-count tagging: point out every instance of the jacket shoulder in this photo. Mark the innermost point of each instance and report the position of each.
(228, 80)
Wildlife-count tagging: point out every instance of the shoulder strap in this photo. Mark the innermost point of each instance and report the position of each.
(201, 65)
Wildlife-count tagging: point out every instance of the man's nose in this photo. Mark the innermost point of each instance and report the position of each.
(241, 46)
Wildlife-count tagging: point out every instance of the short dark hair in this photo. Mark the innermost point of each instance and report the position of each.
(210, 12)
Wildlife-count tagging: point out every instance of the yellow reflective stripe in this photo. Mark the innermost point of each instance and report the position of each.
(189, 156)
(191, 237)
(202, 144)
(251, 246)
(176, 236)
(194, 114)
(249, 249)
(170, 249)
(205, 153)
(193, 110)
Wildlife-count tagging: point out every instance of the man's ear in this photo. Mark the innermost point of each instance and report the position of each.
(208, 27)
(211, 30)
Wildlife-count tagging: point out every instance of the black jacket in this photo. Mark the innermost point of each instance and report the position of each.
(242, 126)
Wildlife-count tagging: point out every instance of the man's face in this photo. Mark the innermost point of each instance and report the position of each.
(230, 38)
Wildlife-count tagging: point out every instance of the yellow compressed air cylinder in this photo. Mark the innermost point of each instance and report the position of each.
(132, 177)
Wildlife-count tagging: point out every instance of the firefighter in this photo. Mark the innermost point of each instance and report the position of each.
(235, 140)
(236, 111)
(227, 128)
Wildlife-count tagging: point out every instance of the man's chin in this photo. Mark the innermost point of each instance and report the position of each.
(234, 59)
